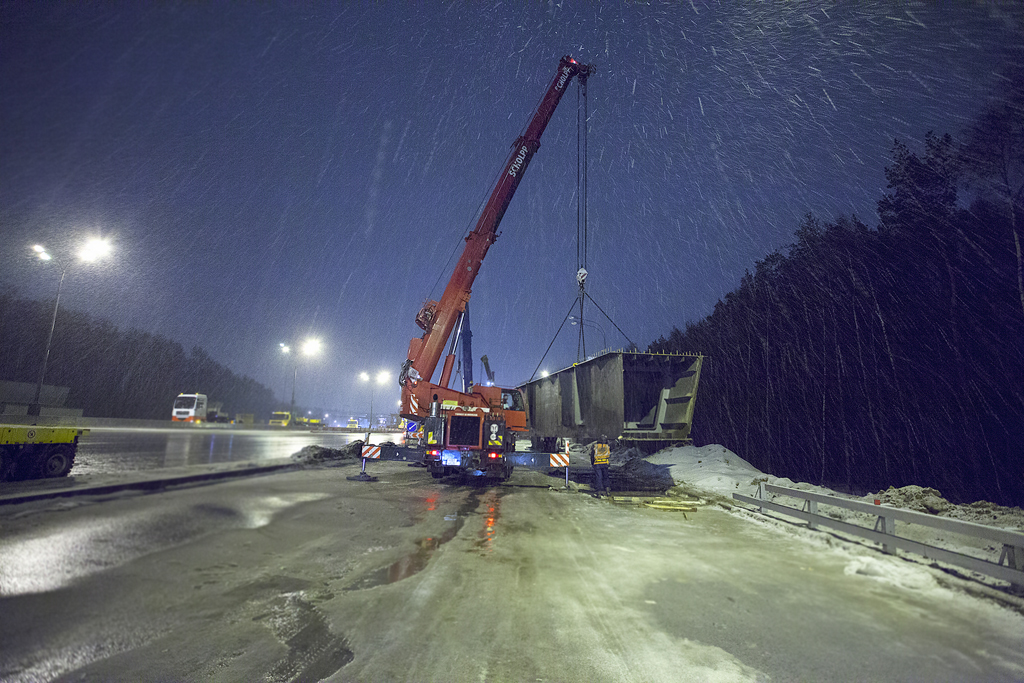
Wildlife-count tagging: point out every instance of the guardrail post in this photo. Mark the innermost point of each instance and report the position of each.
(886, 525)
(762, 494)
(1014, 557)
(811, 506)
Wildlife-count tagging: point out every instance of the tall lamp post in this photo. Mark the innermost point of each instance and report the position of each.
(382, 378)
(573, 320)
(92, 250)
(310, 347)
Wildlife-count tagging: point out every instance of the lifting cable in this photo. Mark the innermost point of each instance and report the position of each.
(582, 236)
(581, 205)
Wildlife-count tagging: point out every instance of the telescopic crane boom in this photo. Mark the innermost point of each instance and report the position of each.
(471, 431)
(439, 318)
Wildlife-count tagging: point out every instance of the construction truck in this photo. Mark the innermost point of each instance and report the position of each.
(280, 419)
(32, 451)
(301, 421)
(215, 413)
(471, 431)
(189, 408)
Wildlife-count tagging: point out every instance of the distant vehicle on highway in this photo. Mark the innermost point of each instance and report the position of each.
(280, 419)
(189, 408)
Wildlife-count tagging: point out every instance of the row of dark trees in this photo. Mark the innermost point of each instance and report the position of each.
(115, 373)
(872, 357)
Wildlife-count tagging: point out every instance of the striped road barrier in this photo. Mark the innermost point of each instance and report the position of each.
(561, 460)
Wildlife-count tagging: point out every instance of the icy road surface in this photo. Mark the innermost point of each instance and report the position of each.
(306, 575)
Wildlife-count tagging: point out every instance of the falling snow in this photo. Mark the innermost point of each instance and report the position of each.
(275, 171)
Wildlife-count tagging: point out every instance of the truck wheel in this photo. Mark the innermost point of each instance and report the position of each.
(56, 461)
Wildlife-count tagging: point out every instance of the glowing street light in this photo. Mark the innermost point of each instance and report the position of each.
(310, 347)
(92, 250)
(573, 320)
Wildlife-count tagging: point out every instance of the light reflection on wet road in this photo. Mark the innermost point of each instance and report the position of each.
(50, 558)
(109, 450)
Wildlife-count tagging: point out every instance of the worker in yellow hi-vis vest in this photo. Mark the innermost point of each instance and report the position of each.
(600, 454)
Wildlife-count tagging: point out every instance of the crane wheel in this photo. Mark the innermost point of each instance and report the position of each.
(57, 461)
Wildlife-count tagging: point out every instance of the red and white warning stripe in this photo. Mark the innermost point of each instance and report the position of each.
(559, 460)
(371, 452)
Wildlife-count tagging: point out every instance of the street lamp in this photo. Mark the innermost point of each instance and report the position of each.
(573, 320)
(382, 378)
(93, 249)
(310, 347)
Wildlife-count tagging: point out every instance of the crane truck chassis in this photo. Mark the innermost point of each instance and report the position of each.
(459, 439)
(32, 452)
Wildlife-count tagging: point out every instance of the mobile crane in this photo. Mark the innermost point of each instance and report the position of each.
(471, 431)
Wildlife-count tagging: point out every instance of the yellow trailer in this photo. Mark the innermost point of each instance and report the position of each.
(32, 451)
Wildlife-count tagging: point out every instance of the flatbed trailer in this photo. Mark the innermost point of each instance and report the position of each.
(34, 451)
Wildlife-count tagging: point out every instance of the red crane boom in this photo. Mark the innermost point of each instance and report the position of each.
(439, 318)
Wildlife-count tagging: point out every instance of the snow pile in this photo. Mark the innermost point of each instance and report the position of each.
(715, 469)
(319, 455)
(916, 498)
(887, 570)
(931, 501)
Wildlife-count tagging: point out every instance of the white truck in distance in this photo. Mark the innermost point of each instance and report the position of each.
(189, 408)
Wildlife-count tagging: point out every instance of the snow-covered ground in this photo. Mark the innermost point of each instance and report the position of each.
(715, 473)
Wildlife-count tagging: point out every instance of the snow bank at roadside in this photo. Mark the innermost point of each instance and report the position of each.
(716, 469)
(318, 455)
(712, 468)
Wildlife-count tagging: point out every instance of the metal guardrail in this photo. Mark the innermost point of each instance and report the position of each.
(885, 530)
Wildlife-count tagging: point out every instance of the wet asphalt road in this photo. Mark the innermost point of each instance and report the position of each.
(116, 450)
(306, 575)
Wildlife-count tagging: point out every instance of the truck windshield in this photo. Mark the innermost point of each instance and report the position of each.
(512, 400)
(184, 403)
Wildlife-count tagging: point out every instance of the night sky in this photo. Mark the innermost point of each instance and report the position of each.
(271, 171)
